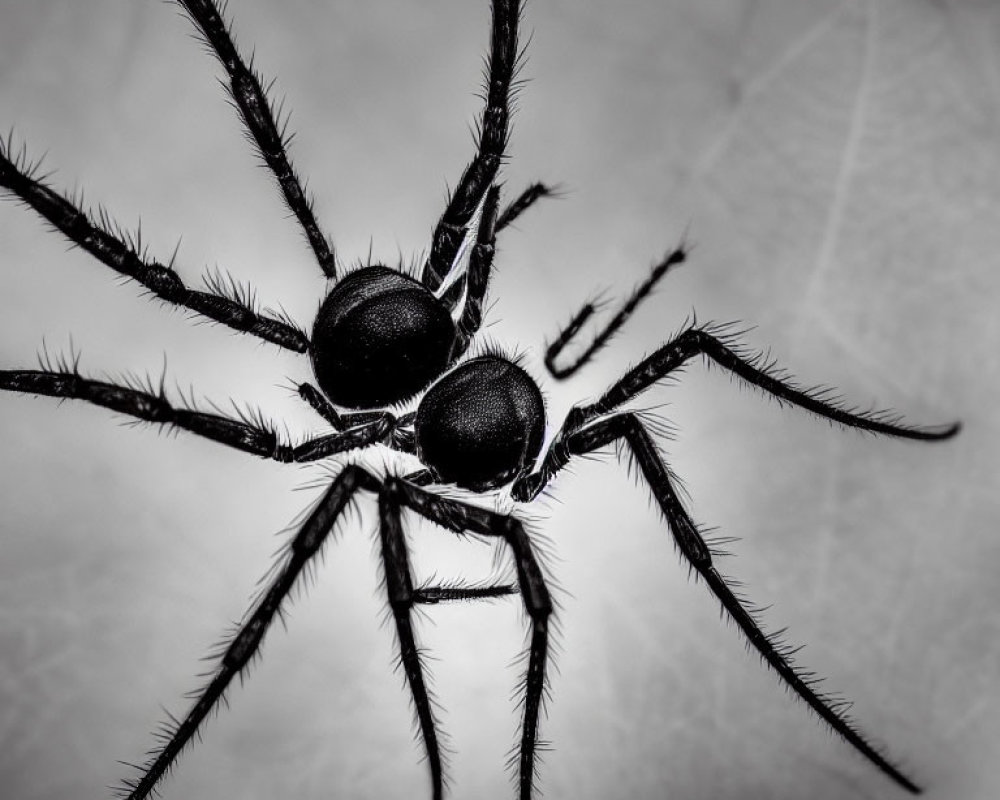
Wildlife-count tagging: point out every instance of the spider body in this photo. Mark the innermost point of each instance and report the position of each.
(481, 425)
(380, 338)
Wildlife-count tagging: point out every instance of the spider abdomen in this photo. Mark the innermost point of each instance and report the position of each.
(379, 338)
(481, 424)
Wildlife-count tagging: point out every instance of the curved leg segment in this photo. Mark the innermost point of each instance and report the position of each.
(640, 293)
(696, 551)
(755, 371)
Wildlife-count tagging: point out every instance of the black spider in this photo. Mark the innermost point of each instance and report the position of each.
(382, 338)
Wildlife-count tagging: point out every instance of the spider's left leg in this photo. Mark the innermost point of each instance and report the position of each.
(243, 647)
(462, 517)
(268, 132)
(149, 404)
(124, 253)
(697, 552)
(758, 373)
(492, 141)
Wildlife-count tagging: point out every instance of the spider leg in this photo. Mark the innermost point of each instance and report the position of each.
(102, 238)
(677, 256)
(432, 595)
(265, 126)
(514, 209)
(697, 552)
(478, 277)
(322, 406)
(461, 517)
(243, 647)
(251, 434)
(472, 283)
(523, 202)
(756, 371)
(492, 141)
(399, 585)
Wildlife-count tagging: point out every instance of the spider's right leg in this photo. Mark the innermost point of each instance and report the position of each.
(640, 293)
(243, 647)
(629, 429)
(757, 372)
(267, 131)
(101, 239)
(479, 175)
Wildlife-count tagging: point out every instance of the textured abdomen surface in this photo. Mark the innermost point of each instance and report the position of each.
(481, 424)
(379, 338)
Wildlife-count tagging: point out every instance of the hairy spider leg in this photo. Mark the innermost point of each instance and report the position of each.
(393, 495)
(399, 588)
(268, 129)
(243, 647)
(453, 293)
(698, 554)
(641, 292)
(724, 350)
(125, 254)
(485, 240)
(251, 435)
(583, 432)
(493, 133)
(523, 202)
(477, 277)
(463, 517)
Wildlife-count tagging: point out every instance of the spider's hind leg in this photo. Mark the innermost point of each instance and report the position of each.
(240, 651)
(462, 517)
(696, 551)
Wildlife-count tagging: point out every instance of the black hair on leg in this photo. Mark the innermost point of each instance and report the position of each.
(268, 131)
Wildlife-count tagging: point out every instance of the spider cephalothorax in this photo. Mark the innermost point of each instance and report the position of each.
(382, 338)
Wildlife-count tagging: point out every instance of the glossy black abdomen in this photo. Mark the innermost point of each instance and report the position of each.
(379, 338)
(481, 424)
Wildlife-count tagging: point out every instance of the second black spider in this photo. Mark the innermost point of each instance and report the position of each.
(383, 338)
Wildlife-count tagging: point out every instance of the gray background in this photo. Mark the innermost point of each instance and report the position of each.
(837, 166)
